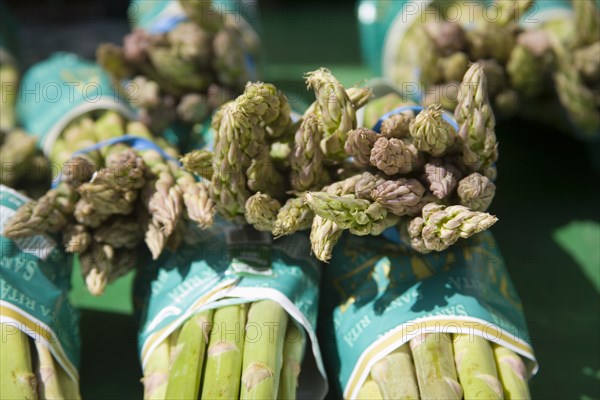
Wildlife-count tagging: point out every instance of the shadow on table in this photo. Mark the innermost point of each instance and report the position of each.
(110, 367)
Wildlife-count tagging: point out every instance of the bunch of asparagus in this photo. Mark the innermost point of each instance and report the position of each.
(419, 173)
(22, 166)
(577, 75)
(188, 72)
(246, 351)
(29, 371)
(518, 62)
(445, 366)
(111, 199)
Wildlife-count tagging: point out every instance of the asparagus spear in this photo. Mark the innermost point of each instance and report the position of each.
(306, 160)
(9, 76)
(17, 380)
(48, 214)
(261, 211)
(156, 372)
(369, 391)
(324, 234)
(16, 152)
(440, 226)
(68, 386)
(294, 215)
(512, 373)
(293, 352)
(431, 132)
(476, 192)
(224, 355)
(199, 162)
(476, 367)
(263, 354)
(434, 366)
(395, 375)
(394, 156)
(185, 374)
(48, 379)
(361, 216)
(336, 111)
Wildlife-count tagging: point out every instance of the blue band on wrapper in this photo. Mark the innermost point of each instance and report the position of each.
(165, 25)
(135, 142)
(416, 109)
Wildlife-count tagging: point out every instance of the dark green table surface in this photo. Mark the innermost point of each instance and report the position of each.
(545, 183)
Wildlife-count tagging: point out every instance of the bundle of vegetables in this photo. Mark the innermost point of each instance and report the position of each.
(28, 369)
(210, 357)
(448, 366)
(23, 166)
(518, 62)
(187, 72)
(576, 43)
(112, 197)
(419, 173)
(39, 335)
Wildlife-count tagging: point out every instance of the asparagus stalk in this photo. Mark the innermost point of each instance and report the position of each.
(9, 76)
(224, 355)
(395, 375)
(263, 354)
(185, 374)
(16, 152)
(369, 391)
(293, 352)
(68, 386)
(512, 373)
(48, 380)
(434, 366)
(156, 373)
(17, 380)
(476, 367)
(173, 349)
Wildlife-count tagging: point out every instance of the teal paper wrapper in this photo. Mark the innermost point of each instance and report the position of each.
(383, 294)
(210, 271)
(55, 91)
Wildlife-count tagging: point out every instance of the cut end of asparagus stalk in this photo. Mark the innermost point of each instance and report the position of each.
(395, 375)
(263, 357)
(369, 391)
(255, 373)
(224, 355)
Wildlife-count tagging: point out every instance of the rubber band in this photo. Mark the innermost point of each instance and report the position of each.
(135, 142)
(166, 24)
(392, 234)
